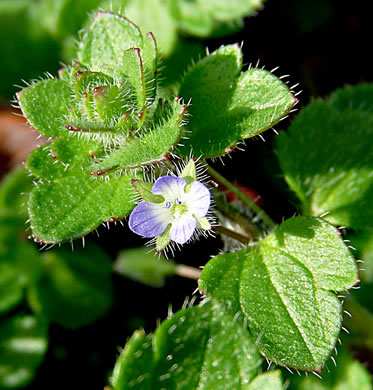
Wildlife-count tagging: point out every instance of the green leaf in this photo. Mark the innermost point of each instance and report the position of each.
(14, 191)
(334, 177)
(134, 366)
(11, 287)
(74, 287)
(151, 147)
(226, 11)
(358, 97)
(154, 16)
(105, 41)
(284, 287)
(228, 106)
(45, 104)
(70, 202)
(349, 374)
(73, 206)
(269, 381)
(17, 252)
(23, 341)
(199, 347)
(144, 267)
(65, 17)
(135, 72)
(204, 17)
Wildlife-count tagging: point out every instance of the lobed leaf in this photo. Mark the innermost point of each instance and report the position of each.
(228, 106)
(285, 288)
(199, 347)
(334, 178)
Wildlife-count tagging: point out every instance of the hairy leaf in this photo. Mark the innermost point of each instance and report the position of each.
(228, 106)
(285, 288)
(333, 178)
(199, 347)
(45, 104)
(117, 32)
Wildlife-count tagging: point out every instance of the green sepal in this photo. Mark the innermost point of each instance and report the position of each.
(163, 240)
(189, 173)
(144, 189)
(202, 223)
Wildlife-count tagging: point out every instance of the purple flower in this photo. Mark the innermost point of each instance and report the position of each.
(182, 211)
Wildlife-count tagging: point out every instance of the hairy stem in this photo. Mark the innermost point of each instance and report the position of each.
(231, 233)
(244, 199)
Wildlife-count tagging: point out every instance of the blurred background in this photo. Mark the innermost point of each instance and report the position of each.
(320, 44)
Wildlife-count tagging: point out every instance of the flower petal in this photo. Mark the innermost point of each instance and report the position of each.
(198, 199)
(149, 219)
(182, 228)
(170, 187)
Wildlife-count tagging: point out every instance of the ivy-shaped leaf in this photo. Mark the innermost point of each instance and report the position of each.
(70, 290)
(285, 288)
(333, 178)
(227, 105)
(23, 341)
(199, 347)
